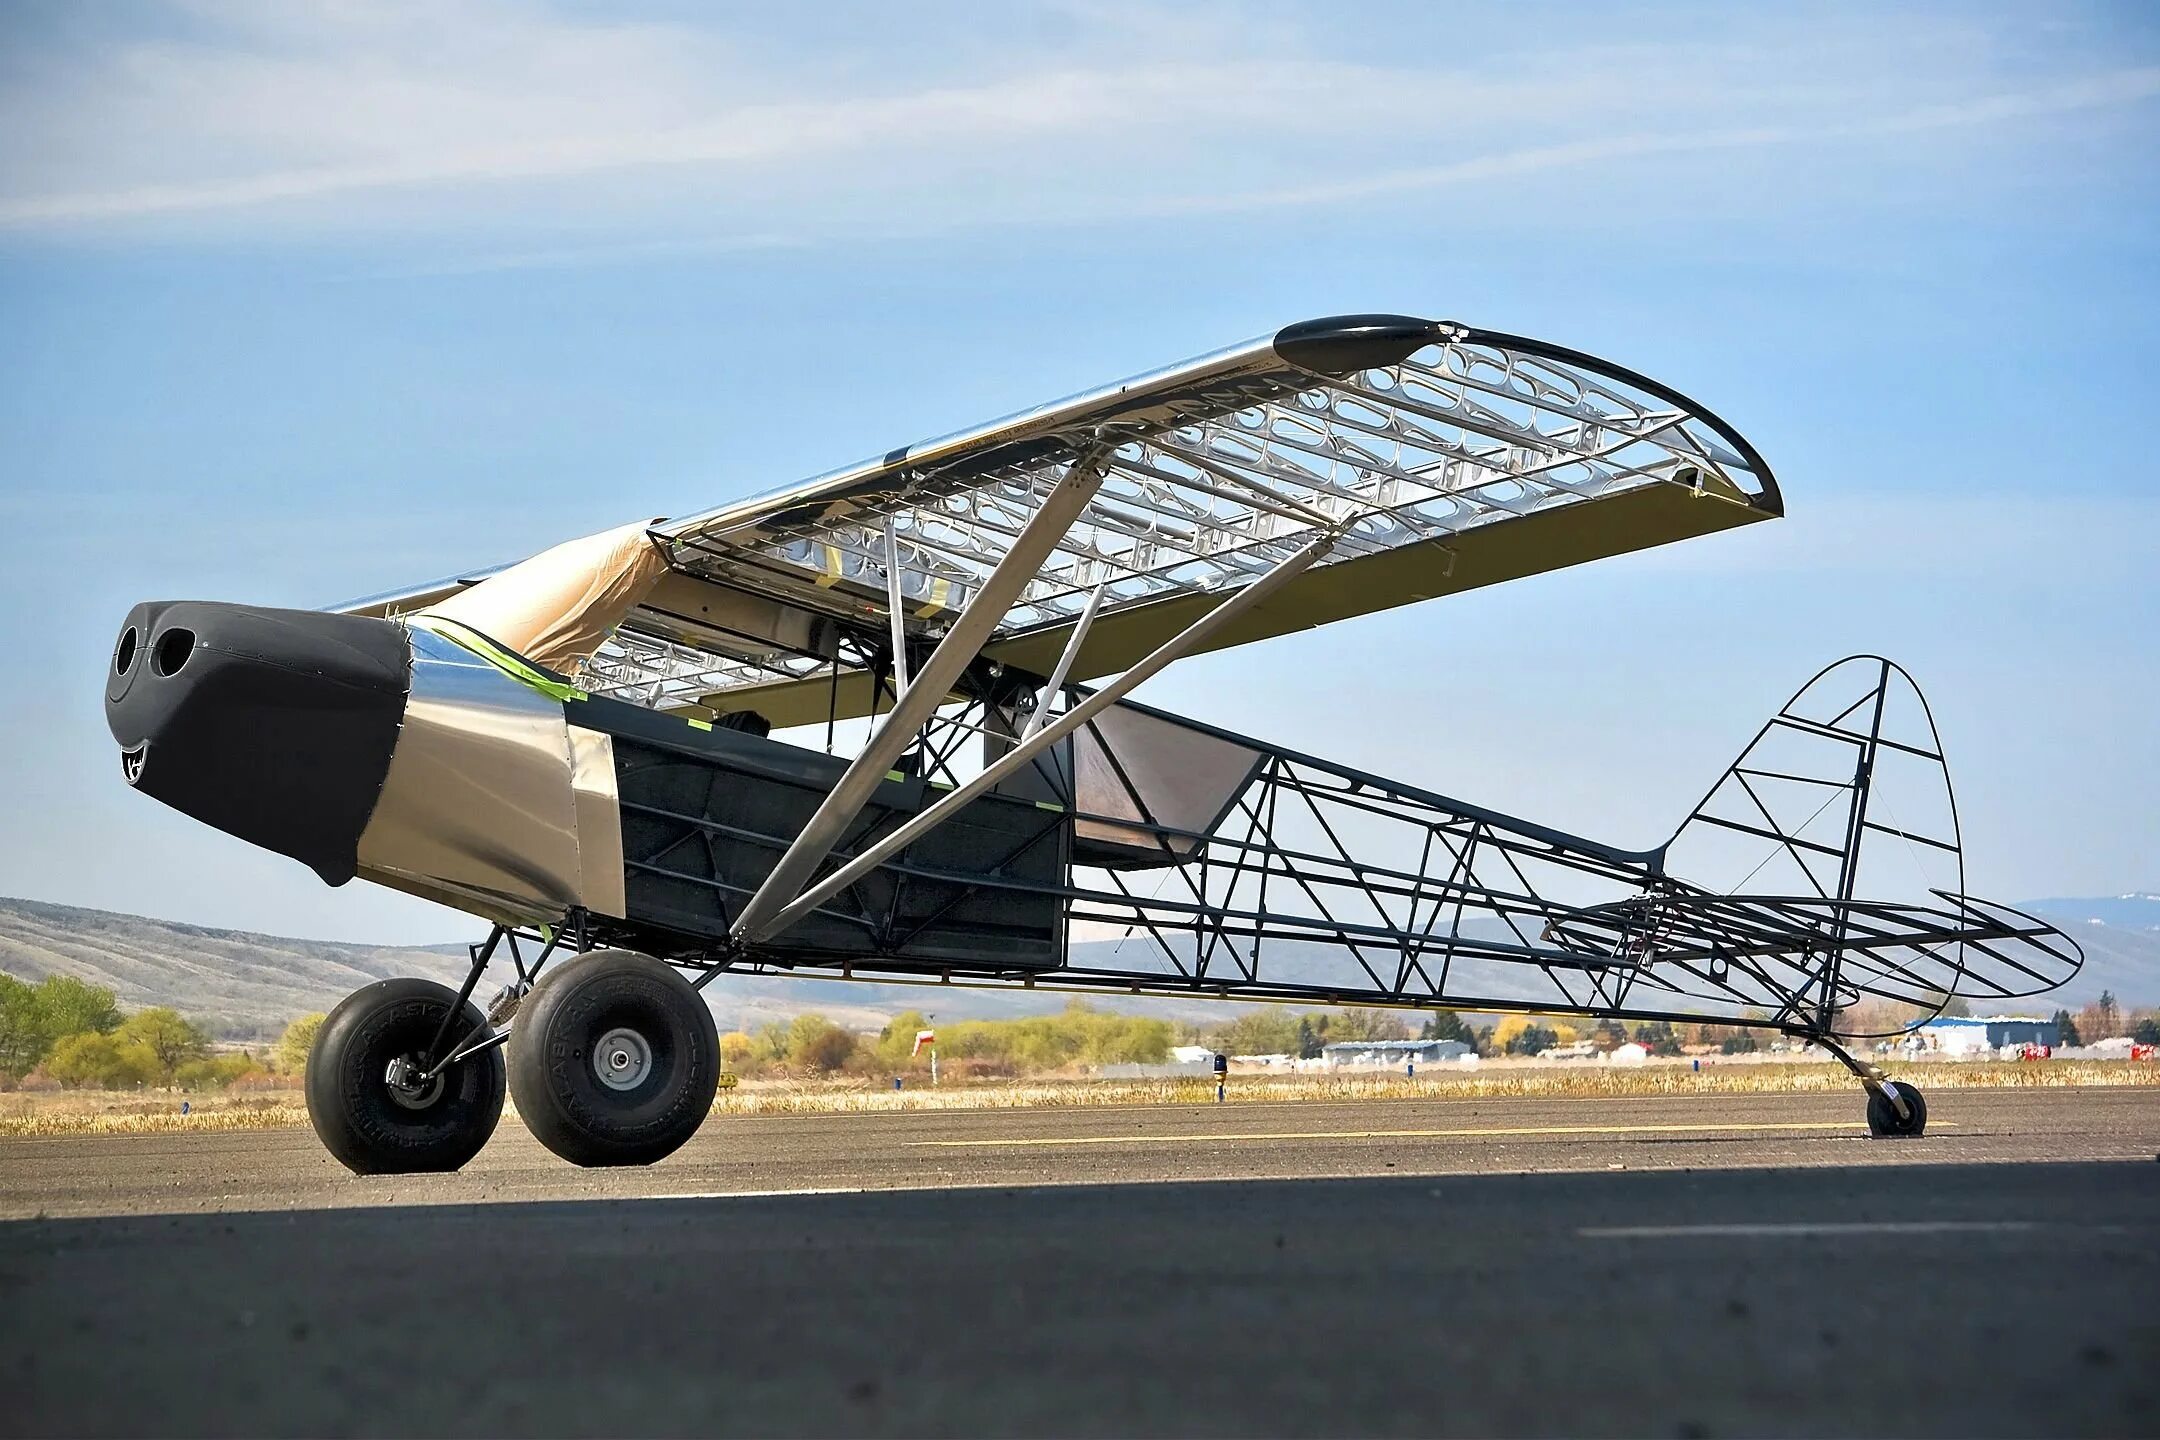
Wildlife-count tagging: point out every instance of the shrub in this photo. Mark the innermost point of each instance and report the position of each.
(815, 1043)
(215, 1072)
(102, 1062)
(294, 1044)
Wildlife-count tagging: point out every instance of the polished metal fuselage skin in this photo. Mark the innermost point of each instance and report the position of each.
(494, 803)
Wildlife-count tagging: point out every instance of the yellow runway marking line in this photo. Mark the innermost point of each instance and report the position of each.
(1736, 1127)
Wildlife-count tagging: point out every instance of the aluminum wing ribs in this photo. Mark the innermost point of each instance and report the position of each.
(1215, 473)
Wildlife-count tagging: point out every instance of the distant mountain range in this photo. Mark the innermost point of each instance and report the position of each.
(2135, 911)
(248, 986)
(2120, 935)
(240, 985)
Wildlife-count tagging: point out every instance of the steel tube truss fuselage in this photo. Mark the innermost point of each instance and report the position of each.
(1306, 881)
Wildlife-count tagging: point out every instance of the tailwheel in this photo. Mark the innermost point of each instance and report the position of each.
(1885, 1120)
(377, 1097)
(614, 1059)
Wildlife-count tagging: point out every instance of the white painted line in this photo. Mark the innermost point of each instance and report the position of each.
(1883, 1227)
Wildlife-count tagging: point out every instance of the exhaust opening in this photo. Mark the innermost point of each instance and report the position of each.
(172, 650)
(123, 659)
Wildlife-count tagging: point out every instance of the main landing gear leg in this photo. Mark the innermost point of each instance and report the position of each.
(1895, 1109)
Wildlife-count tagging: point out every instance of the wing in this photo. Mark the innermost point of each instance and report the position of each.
(1457, 458)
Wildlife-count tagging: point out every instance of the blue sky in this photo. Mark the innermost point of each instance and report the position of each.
(302, 302)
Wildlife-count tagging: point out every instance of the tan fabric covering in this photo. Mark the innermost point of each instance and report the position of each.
(559, 606)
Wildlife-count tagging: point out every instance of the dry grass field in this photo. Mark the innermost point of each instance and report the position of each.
(82, 1112)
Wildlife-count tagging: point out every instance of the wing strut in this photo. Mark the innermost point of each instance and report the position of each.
(1056, 682)
(1234, 604)
(1065, 503)
(893, 612)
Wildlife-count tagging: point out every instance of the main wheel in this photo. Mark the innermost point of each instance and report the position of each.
(614, 1059)
(364, 1095)
(1883, 1120)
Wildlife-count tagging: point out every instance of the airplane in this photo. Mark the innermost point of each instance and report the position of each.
(580, 749)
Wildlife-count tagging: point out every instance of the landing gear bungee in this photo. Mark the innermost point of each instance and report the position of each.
(614, 1059)
(377, 1098)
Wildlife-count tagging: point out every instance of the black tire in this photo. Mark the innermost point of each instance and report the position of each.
(614, 1059)
(1883, 1120)
(371, 1126)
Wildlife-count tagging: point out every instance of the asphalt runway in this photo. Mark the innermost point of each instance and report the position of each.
(1699, 1266)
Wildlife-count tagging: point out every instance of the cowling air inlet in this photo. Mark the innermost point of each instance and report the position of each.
(275, 726)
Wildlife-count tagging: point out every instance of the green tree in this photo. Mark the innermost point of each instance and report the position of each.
(1132, 1040)
(1270, 1030)
(1503, 1034)
(2066, 1029)
(169, 1037)
(1532, 1039)
(896, 1042)
(1658, 1037)
(23, 1040)
(293, 1046)
(2101, 1020)
(1352, 1023)
(1740, 1042)
(771, 1041)
(1445, 1025)
(1609, 1036)
(72, 1006)
(2146, 1031)
(33, 1018)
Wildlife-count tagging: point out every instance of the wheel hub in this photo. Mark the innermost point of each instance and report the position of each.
(407, 1088)
(622, 1059)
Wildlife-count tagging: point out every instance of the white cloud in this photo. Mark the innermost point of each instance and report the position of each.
(2123, 87)
(490, 120)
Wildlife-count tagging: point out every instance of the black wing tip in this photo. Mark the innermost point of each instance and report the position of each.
(1344, 344)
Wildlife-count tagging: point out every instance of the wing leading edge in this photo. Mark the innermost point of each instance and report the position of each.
(1449, 457)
